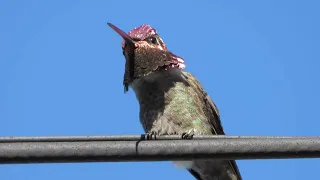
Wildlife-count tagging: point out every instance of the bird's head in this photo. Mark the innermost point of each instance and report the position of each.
(145, 53)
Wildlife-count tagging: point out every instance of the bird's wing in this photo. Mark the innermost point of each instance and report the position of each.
(212, 113)
(210, 108)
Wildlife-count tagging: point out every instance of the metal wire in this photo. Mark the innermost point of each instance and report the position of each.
(164, 148)
(129, 138)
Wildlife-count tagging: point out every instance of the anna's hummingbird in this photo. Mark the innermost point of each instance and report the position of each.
(171, 100)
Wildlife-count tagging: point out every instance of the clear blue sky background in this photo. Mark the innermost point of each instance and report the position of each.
(61, 72)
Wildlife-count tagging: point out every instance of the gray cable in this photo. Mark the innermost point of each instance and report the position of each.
(165, 148)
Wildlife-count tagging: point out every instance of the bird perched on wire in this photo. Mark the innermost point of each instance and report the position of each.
(172, 101)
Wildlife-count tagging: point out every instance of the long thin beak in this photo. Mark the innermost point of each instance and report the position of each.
(124, 35)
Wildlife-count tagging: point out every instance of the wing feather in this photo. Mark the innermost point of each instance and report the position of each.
(213, 115)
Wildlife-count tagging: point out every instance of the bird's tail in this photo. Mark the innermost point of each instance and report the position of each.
(215, 170)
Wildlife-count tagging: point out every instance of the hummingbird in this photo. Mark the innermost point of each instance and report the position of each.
(172, 101)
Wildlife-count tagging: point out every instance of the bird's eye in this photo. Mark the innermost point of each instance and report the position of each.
(153, 40)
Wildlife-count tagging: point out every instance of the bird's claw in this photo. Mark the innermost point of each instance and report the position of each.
(188, 135)
(151, 135)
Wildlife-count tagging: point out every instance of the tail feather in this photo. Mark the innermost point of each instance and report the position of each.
(215, 170)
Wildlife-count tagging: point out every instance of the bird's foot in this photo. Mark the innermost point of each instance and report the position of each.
(152, 135)
(189, 134)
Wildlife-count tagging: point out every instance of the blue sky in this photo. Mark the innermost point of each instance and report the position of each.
(61, 72)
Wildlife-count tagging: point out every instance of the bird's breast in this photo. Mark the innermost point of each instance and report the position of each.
(158, 81)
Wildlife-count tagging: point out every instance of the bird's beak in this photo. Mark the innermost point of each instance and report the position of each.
(124, 35)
